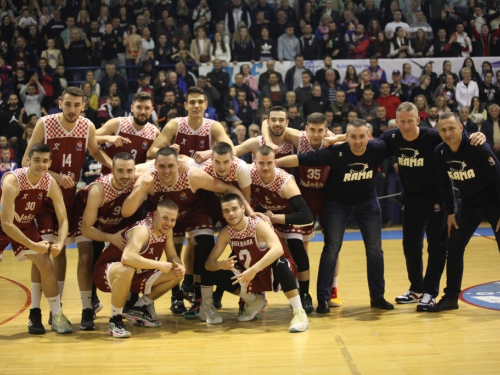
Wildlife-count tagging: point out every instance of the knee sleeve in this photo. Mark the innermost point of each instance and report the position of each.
(299, 254)
(204, 245)
(283, 274)
(221, 279)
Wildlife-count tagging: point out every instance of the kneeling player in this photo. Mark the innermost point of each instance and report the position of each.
(138, 269)
(259, 255)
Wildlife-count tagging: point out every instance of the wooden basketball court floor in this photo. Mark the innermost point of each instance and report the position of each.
(353, 339)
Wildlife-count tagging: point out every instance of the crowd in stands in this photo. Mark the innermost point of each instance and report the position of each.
(158, 46)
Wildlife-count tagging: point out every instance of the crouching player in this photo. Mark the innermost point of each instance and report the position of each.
(138, 268)
(259, 256)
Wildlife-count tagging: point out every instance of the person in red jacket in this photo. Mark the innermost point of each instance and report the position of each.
(387, 100)
(358, 42)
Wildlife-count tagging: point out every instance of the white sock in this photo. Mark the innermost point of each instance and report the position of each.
(143, 301)
(60, 284)
(55, 304)
(86, 297)
(36, 295)
(335, 281)
(295, 302)
(207, 291)
(247, 297)
(116, 310)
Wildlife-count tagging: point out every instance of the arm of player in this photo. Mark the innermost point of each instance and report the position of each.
(138, 238)
(266, 134)
(95, 151)
(218, 134)
(212, 263)
(289, 161)
(166, 135)
(10, 191)
(172, 256)
(302, 215)
(138, 195)
(142, 168)
(107, 133)
(265, 233)
(250, 145)
(244, 180)
(55, 194)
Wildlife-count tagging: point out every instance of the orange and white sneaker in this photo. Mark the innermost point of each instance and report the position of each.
(335, 300)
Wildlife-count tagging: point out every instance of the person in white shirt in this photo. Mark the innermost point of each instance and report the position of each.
(466, 89)
(390, 28)
(26, 20)
(464, 40)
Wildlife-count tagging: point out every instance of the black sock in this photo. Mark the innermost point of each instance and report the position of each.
(304, 287)
(188, 280)
(219, 292)
(197, 291)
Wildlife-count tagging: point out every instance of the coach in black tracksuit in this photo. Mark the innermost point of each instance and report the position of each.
(475, 171)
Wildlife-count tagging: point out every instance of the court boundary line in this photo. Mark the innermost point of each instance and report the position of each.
(26, 304)
(473, 304)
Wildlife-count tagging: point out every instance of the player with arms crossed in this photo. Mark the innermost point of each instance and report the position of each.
(137, 268)
(68, 135)
(259, 257)
(194, 134)
(23, 192)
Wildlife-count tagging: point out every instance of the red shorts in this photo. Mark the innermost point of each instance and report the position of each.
(46, 219)
(264, 280)
(196, 221)
(141, 283)
(20, 251)
(315, 199)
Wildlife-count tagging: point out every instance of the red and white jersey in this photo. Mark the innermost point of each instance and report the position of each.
(68, 149)
(245, 245)
(238, 175)
(140, 141)
(310, 177)
(269, 195)
(181, 193)
(191, 140)
(30, 198)
(109, 215)
(284, 150)
(153, 250)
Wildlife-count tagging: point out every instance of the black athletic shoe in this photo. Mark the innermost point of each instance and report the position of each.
(446, 303)
(381, 303)
(177, 307)
(87, 323)
(35, 326)
(323, 306)
(307, 303)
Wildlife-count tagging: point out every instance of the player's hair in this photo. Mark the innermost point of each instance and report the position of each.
(73, 91)
(40, 147)
(123, 156)
(232, 197)
(265, 151)
(167, 203)
(448, 115)
(142, 96)
(357, 123)
(195, 90)
(316, 118)
(278, 108)
(166, 151)
(407, 107)
(223, 148)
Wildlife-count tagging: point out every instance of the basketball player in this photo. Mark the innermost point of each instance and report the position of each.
(162, 181)
(194, 134)
(130, 134)
(259, 257)
(22, 195)
(68, 135)
(137, 268)
(277, 192)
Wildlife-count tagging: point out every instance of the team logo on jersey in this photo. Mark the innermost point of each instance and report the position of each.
(459, 172)
(145, 145)
(437, 207)
(183, 196)
(359, 171)
(79, 146)
(40, 196)
(412, 160)
(491, 161)
(202, 143)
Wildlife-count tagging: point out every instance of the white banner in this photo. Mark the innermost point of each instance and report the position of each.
(389, 65)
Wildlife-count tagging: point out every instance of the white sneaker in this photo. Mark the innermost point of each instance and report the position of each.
(208, 313)
(299, 323)
(426, 302)
(60, 323)
(409, 297)
(117, 328)
(252, 309)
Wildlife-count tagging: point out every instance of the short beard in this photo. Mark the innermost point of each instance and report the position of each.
(139, 122)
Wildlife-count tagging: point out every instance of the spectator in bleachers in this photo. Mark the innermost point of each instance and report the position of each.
(28, 52)
(322, 29)
(377, 74)
(264, 7)
(9, 119)
(330, 87)
(398, 88)
(264, 77)
(239, 11)
(185, 79)
(295, 121)
(432, 120)
(490, 127)
(33, 38)
(7, 29)
(172, 83)
(424, 88)
(464, 40)
(20, 61)
(243, 46)
(219, 79)
(408, 78)
(310, 45)
(211, 93)
(422, 106)
(488, 92)
(381, 122)
(169, 107)
(32, 101)
(447, 69)
(109, 46)
(274, 90)
(350, 84)
(77, 47)
(357, 42)
(369, 13)
(45, 76)
(201, 46)
(293, 77)
(257, 25)
(421, 47)
(475, 76)
(447, 90)
(387, 100)
(420, 23)
(133, 51)
(485, 66)
(469, 125)
(334, 42)
(83, 21)
(365, 84)
(110, 76)
(291, 100)
(245, 112)
(265, 48)
(93, 99)
(288, 46)
(239, 84)
(347, 22)
(147, 41)
(340, 108)
(67, 33)
(444, 47)
(478, 112)
(428, 69)
(308, 14)
(264, 108)
(400, 45)
(303, 92)
(411, 11)
(466, 89)
(316, 103)
(440, 104)
(52, 55)
(367, 106)
(220, 49)
(391, 27)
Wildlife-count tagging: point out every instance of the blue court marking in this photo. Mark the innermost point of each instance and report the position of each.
(486, 295)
